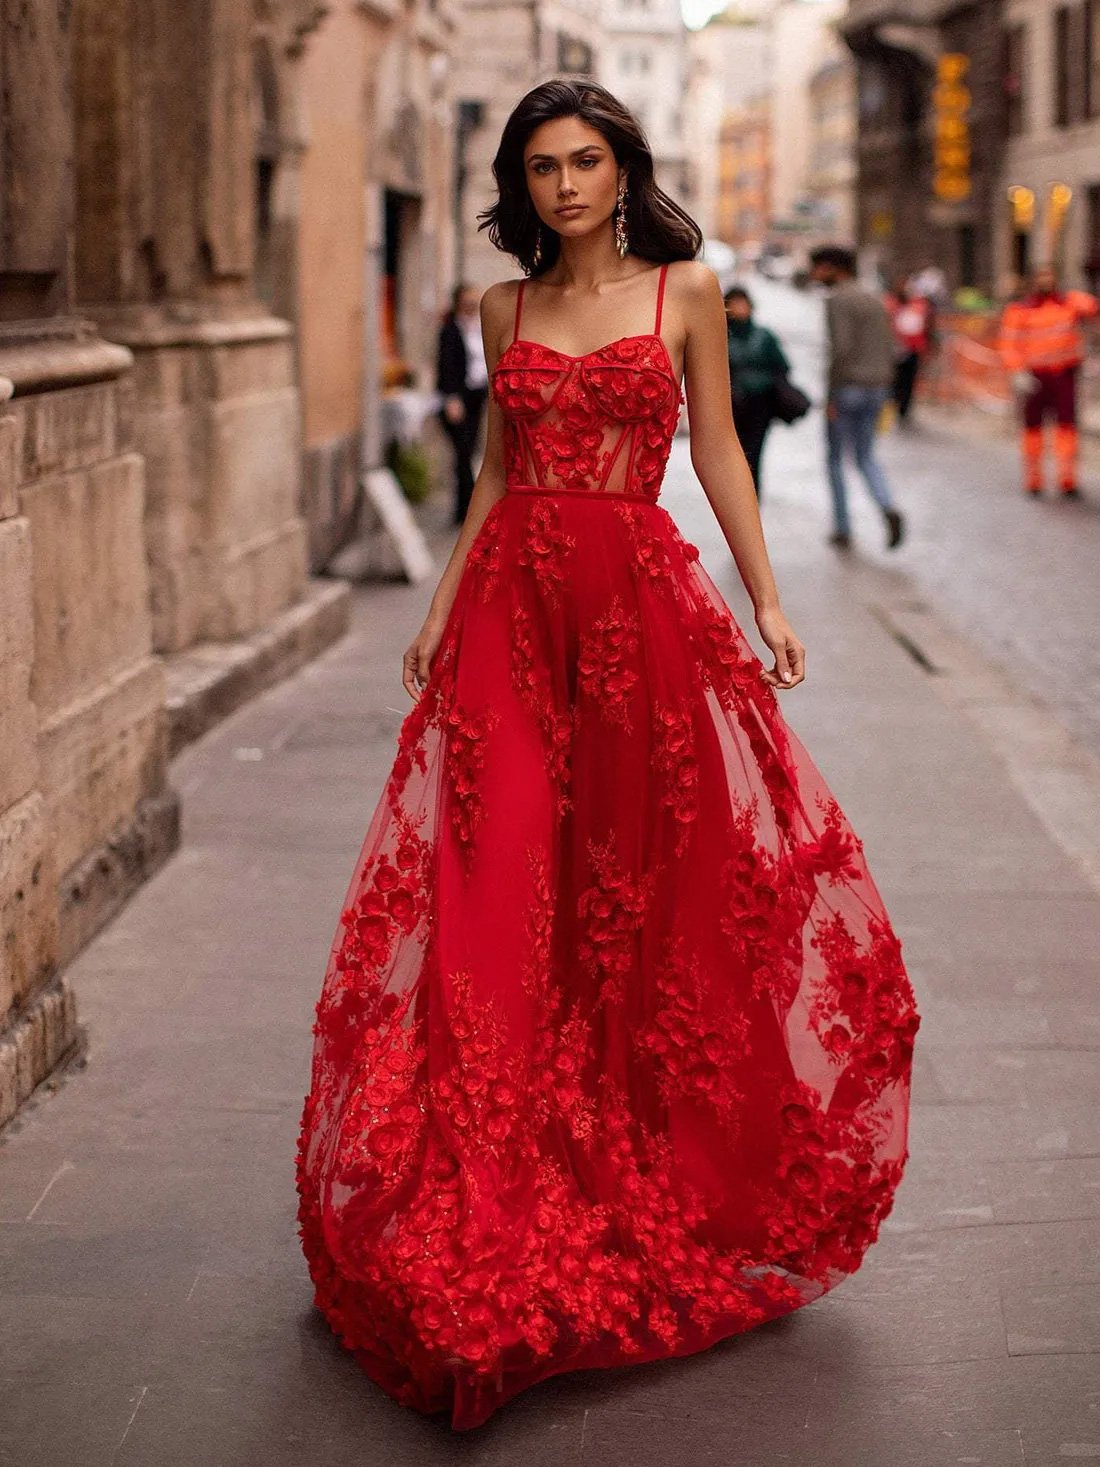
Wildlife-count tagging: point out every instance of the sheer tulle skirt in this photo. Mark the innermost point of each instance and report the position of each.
(612, 1057)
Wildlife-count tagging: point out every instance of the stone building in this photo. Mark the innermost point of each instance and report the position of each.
(532, 41)
(153, 553)
(1049, 203)
(362, 231)
(802, 39)
(903, 219)
(743, 208)
(729, 68)
(643, 61)
(830, 179)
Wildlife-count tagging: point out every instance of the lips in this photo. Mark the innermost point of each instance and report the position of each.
(570, 209)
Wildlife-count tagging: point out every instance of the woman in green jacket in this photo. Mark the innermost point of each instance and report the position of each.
(756, 363)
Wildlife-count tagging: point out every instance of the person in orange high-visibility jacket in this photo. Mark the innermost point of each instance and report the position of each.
(1042, 344)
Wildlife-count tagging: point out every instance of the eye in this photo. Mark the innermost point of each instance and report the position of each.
(592, 161)
(542, 167)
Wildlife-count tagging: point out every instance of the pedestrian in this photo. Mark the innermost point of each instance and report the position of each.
(756, 363)
(859, 375)
(911, 317)
(1042, 346)
(462, 381)
(613, 1055)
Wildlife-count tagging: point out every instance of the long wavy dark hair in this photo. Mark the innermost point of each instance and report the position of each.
(657, 228)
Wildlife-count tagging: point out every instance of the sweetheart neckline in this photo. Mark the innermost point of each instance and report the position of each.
(584, 355)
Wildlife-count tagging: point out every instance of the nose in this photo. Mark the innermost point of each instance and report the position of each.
(566, 189)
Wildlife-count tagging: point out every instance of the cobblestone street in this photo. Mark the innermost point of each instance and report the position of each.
(156, 1310)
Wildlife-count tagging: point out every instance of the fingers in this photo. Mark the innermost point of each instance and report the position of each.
(790, 659)
(409, 674)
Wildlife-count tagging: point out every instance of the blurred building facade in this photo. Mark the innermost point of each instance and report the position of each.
(802, 39)
(644, 62)
(743, 209)
(931, 102)
(369, 240)
(725, 102)
(830, 178)
(532, 40)
(1049, 208)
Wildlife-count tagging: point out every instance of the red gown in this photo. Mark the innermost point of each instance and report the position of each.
(612, 1058)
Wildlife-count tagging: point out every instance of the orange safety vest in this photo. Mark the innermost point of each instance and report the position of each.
(1043, 334)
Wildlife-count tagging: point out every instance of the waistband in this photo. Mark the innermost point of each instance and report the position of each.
(609, 494)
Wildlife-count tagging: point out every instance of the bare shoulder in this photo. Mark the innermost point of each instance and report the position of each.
(498, 309)
(692, 282)
(696, 297)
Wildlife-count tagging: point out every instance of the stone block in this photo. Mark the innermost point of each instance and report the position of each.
(93, 890)
(91, 612)
(180, 571)
(101, 755)
(248, 368)
(28, 900)
(9, 479)
(35, 1043)
(261, 579)
(254, 466)
(67, 429)
(19, 720)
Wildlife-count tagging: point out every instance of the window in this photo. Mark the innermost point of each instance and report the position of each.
(1015, 70)
(1061, 66)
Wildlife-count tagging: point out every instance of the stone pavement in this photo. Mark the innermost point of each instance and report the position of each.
(155, 1310)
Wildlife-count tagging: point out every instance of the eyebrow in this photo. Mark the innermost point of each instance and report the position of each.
(576, 153)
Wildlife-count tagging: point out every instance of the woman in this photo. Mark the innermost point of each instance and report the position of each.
(756, 363)
(462, 380)
(612, 1057)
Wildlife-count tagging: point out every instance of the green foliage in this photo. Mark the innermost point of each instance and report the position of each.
(410, 466)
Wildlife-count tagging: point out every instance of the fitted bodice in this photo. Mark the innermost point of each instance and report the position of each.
(602, 422)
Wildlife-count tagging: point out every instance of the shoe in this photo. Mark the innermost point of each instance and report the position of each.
(1033, 491)
(1069, 491)
(895, 528)
(841, 539)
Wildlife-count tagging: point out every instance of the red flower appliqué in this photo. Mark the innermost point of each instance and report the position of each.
(674, 759)
(605, 669)
(611, 911)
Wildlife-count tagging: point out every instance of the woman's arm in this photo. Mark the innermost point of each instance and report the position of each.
(496, 317)
(718, 460)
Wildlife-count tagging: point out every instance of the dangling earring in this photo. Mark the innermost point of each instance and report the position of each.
(536, 253)
(620, 222)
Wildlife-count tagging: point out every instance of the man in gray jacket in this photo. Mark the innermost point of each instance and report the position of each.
(860, 373)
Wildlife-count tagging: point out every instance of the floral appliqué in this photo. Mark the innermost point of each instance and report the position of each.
(605, 664)
(611, 912)
(675, 761)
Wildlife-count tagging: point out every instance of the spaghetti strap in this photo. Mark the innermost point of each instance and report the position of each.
(660, 299)
(519, 308)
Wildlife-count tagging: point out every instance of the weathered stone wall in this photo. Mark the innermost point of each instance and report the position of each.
(149, 470)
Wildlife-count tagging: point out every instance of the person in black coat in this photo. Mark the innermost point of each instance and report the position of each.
(757, 363)
(462, 381)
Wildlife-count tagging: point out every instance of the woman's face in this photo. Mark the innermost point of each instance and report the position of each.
(569, 164)
(738, 308)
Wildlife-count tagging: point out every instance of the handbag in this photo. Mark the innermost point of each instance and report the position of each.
(789, 401)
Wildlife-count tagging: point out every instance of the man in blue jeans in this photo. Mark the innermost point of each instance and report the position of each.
(860, 375)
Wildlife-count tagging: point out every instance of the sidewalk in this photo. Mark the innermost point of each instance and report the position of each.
(155, 1309)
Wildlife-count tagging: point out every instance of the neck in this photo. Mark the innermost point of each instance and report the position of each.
(590, 261)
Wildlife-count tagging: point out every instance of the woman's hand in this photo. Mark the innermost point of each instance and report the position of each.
(417, 661)
(789, 653)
